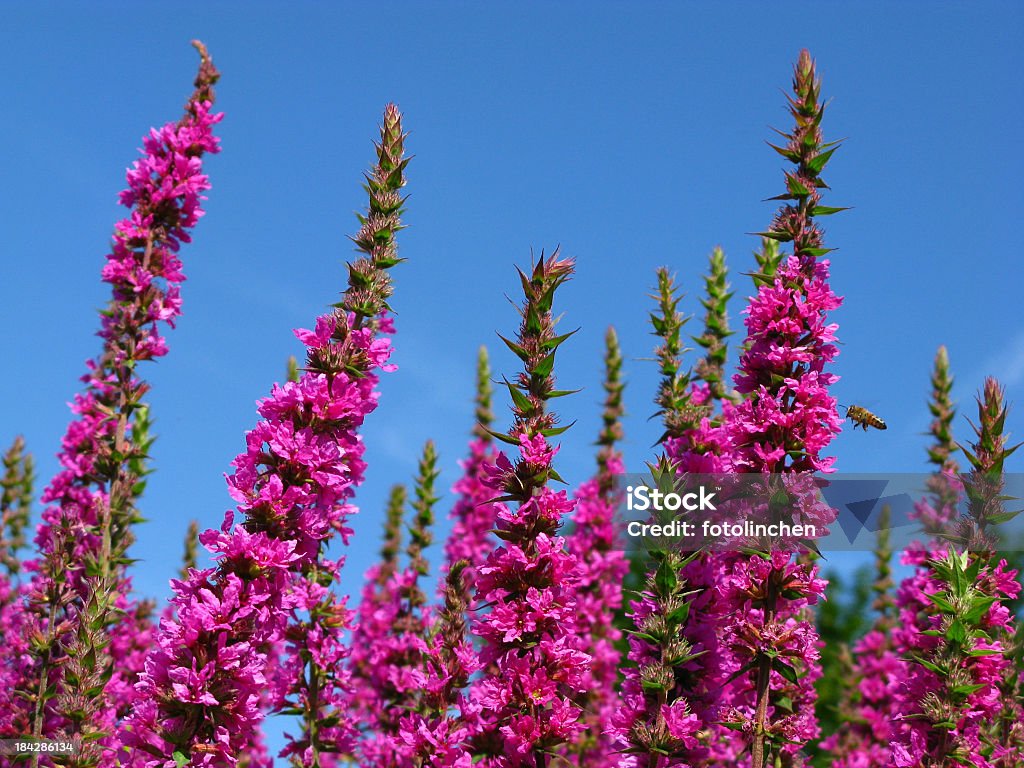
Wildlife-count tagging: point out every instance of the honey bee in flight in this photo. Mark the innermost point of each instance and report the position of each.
(862, 417)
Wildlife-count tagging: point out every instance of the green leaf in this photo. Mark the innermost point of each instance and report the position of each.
(665, 579)
(785, 670)
(789, 154)
(544, 367)
(680, 614)
(797, 188)
(522, 402)
(180, 759)
(818, 162)
(502, 436)
(967, 690)
(827, 210)
(782, 237)
(978, 609)
(553, 343)
(562, 392)
(1002, 517)
(553, 431)
(957, 632)
(519, 351)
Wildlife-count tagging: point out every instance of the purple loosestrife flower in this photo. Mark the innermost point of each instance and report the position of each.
(435, 732)
(200, 697)
(471, 538)
(784, 421)
(595, 544)
(15, 622)
(77, 682)
(873, 683)
(936, 512)
(959, 701)
(395, 666)
(531, 668)
(670, 690)
(15, 504)
(376, 613)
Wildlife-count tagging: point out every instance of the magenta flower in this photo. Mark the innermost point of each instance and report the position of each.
(532, 670)
(203, 689)
(595, 544)
(785, 420)
(85, 649)
(473, 514)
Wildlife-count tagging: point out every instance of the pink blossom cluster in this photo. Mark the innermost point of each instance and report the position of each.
(201, 690)
(922, 697)
(144, 271)
(93, 492)
(532, 668)
(596, 545)
(470, 538)
(439, 732)
(391, 652)
(783, 423)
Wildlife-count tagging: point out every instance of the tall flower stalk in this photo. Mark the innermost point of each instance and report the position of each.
(396, 662)
(532, 671)
(668, 691)
(953, 704)
(15, 505)
(473, 514)
(201, 694)
(711, 368)
(783, 423)
(596, 545)
(75, 685)
(376, 613)
(936, 512)
(16, 488)
(874, 674)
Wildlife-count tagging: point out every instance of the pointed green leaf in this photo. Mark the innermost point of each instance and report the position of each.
(827, 210)
(819, 161)
(521, 353)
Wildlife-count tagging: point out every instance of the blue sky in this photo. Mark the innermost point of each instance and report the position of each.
(633, 134)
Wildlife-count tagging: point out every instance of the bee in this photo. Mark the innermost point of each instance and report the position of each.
(862, 417)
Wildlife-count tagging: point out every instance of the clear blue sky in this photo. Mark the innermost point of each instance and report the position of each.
(633, 134)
